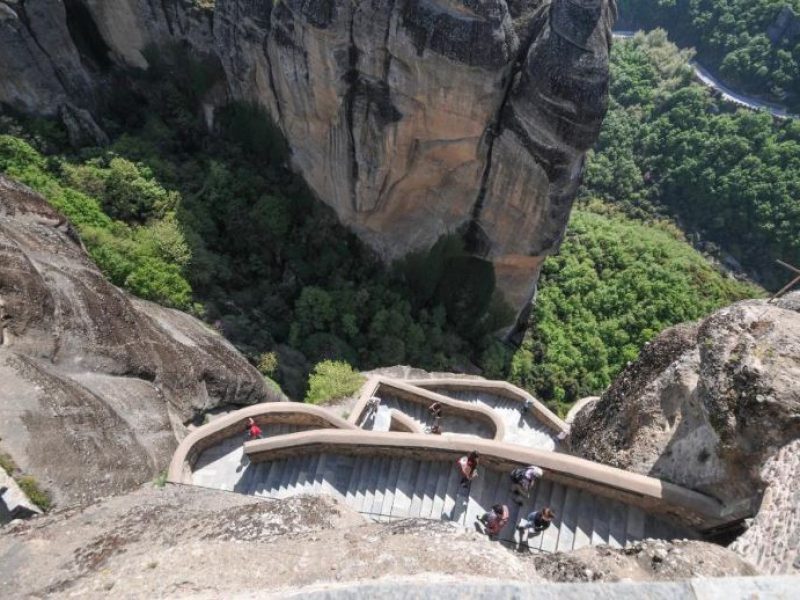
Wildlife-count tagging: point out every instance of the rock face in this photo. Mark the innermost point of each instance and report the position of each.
(773, 539)
(710, 406)
(413, 119)
(95, 384)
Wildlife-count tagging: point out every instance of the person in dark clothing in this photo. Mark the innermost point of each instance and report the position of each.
(539, 520)
(436, 410)
(522, 479)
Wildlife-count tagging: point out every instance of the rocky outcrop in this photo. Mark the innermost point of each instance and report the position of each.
(708, 406)
(772, 541)
(95, 384)
(413, 119)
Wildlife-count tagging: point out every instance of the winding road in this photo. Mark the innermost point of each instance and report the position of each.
(704, 76)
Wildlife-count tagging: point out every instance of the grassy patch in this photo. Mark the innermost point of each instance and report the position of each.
(36, 494)
(7, 463)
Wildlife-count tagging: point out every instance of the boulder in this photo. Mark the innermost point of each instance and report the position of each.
(706, 405)
(95, 385)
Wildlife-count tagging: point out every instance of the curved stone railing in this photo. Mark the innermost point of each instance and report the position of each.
(468, 410)
(500, 388)
(654, 496)
(579, 406)
(403, 423)
(292, 413)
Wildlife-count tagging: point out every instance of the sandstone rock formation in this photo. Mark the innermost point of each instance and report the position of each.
(95, 384)
(411, 119)
(714, 406)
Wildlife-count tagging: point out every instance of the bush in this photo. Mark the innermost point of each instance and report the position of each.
(36, 494)
(331, 380)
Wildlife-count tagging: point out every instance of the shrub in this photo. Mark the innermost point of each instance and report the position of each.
(36, 494)
(332, 379)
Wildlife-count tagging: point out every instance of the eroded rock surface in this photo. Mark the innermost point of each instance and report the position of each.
(95, 384)
(713, 406)
(413, 119)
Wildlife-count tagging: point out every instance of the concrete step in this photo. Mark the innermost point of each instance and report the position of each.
(617, 524)
(451, 495)
(634, 529)
(391, 484)
(370, 483)
(382, 472)
(569, 520)
(434, 474)
(544, 489)
(352, 485)
(419, 488)
(583, 532)
(601, 521)
(556, 503)
(437, 509)
(405, 483)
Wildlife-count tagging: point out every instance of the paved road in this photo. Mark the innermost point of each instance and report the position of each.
(705, 77)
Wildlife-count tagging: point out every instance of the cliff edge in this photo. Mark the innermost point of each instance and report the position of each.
(413, 120)
(95, 385)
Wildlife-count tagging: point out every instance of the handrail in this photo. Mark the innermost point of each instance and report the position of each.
(501, 388)
(401, 420)
(653, 495)
(234, 423)
(422, 396)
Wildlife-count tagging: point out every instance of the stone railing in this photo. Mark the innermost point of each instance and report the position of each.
(500, 388)
(403, 423)
(376, 385)
(679, 504)
(235, 423)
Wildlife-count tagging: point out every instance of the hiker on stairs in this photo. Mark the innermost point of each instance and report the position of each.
(495, 519)
(468, 466)
(253, 430)
(538, 521)
(522, 479)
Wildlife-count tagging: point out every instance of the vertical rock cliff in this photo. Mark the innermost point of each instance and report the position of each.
(413, 119)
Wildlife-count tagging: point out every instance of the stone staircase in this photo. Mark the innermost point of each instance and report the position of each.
(521, 427)
(418, 411)
(385, 487)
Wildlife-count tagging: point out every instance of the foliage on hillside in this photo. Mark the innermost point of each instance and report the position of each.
(219, 223)
(732, 38)
(615, 285)
(331, 380)
(669, 148)
(148, 254)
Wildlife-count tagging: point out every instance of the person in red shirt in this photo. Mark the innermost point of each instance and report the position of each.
(253, 430)
(468, 465)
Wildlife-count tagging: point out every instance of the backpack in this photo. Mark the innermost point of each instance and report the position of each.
(518, 474)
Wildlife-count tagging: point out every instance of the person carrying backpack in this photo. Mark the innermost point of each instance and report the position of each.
(522, 479)
(468, 466)
(495, 519)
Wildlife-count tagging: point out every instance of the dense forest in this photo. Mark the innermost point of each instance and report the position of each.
(215, 223)
(730, 178)
(752, 44)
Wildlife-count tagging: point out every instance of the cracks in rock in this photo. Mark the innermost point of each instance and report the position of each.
(23, 16)
(351, 79)
(271, 77)
(476, 240)
(167, 18)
